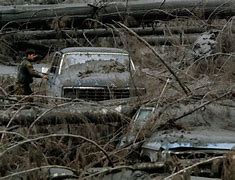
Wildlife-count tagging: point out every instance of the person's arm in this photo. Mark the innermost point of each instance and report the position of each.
(32, 71)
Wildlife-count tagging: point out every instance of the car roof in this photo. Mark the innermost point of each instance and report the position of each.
(93, 49)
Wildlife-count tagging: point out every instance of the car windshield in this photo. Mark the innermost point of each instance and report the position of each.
(96, 62)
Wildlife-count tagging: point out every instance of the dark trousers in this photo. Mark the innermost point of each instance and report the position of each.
(24, 89)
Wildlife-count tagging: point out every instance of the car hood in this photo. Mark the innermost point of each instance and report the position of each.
(97, 80)
(197, 139)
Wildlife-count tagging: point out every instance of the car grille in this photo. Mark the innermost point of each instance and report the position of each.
(95, 93)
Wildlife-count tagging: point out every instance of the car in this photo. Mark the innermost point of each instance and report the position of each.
(206, 133)
(142, 117)
(92, 74)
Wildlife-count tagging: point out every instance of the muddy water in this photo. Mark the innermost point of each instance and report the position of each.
(12, 70)
(8, 70)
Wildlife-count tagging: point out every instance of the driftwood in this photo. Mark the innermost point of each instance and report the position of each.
(139, 11)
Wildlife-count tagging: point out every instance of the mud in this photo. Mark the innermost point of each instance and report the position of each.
(176, 136)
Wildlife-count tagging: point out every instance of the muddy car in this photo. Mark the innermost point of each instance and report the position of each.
(206, 133)
(92, 74)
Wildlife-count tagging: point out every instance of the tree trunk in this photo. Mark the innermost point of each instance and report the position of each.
(134, 13)
(28, 116)
(229, 166)
(112, 42)
(100, 32)
(75, 113)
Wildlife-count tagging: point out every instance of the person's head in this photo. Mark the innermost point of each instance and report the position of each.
(31, 54)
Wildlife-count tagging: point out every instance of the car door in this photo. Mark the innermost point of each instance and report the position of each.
(53, 75)
(54, 68)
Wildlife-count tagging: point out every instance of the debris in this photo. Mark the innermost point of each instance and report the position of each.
(205, 45)
(181, 128)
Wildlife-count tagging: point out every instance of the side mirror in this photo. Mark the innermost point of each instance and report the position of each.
(44, 70)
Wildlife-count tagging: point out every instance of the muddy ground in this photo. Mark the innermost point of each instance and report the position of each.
(61, 139)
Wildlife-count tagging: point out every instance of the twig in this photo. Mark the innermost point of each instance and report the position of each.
(47, 97)
(102, 24)
(4, 26)
(20, 135)
(186, 90)
(194, 165)
(14, 133)
(107, 170)
(35, 169)
(84, 35)
(18, 102)
(162, 11)
(3, 91)
(129, 148)
(79, 44)
(209, 56)
(192, 111)
(141, 166)
(160, 79)
(163, 90)
(12, 118)
(163, 2)
(57, 135)
(215, 10)
(39, 11)
(45, 112)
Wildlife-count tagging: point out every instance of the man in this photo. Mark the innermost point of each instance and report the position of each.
(26, 73)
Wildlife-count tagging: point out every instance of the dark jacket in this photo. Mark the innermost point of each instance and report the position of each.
(26, 72)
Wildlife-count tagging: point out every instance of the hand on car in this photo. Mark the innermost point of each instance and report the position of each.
(45, 77)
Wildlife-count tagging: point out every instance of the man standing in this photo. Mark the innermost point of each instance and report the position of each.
(26, 73)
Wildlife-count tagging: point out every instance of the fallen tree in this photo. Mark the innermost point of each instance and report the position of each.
(110, 111)
(97, 32)
(134, 12)
(153, 40)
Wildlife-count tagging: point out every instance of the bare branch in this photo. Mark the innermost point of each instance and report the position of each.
(57, 135)
(186, 90)
(193, 166)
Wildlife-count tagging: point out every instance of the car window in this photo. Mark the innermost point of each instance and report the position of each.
(97, 62)
(55, 63)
